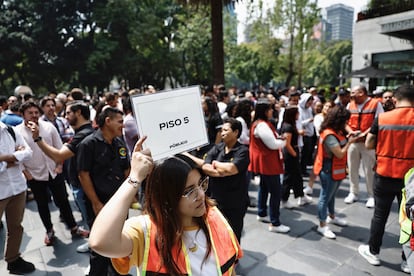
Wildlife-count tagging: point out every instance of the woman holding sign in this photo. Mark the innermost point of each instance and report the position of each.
(181, 233)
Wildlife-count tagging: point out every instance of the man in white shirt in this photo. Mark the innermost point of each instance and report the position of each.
(13, 151)
(43, 173)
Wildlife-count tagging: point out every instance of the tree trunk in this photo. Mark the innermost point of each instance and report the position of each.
(290, 73)
(217, 41)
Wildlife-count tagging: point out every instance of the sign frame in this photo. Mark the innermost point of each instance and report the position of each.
(173, 120)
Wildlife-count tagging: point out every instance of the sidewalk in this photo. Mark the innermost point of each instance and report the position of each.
(301, 252)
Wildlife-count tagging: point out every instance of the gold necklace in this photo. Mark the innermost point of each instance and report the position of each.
(193, 247)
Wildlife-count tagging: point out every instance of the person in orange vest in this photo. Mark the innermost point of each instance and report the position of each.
(266, 160)
(330, 165)
(392, 137)
(181, 233)
(363, 111)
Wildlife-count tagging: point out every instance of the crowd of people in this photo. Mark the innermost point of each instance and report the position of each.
(194, 203)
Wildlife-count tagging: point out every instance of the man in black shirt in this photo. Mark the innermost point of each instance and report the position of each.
(77, 114)
(103, 165)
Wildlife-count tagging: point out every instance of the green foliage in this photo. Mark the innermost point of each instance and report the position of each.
(255, 61)
(297, 18)
(194, 45)
(377, 4)
(324, 62)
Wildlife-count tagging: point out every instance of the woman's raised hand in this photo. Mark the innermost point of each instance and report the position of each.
(141, 161)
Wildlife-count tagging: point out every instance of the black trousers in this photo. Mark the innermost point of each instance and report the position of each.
(235, 217)
(99, 265)
(385, 190)
(41, 195)
(307, 152)
(292, 178)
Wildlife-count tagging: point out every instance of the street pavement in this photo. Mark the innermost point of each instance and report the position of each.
(300, 252)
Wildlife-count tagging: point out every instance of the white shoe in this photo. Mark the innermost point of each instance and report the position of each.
(326, 232)
(351, 198)
(308, 190)
(305, 199)
(279, 229)
(336, 221)
(83, 248)
(364, 251)
(87, 270)
(287, 205)
(405, 268)
(370, 203)
(261, 219)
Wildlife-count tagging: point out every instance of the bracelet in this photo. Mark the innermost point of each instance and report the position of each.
(37, 139)
(135, 183)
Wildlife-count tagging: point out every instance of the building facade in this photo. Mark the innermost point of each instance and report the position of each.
(384, 40)
(341, 20)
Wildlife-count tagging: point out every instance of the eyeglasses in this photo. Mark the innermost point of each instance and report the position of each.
(193, 193)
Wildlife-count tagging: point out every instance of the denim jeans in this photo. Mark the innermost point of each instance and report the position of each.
(79, 197)
(328, 191)
(269, 184)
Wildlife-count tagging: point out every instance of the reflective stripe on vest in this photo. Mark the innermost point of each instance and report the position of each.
(362, 120)
(338, 164)
(224, 247)
(395, 153)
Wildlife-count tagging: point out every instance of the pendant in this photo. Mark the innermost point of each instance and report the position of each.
(193, 248)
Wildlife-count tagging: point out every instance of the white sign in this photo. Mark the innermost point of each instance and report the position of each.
(173, 120)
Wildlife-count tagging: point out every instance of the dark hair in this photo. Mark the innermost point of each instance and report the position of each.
(110, 96)
(77, 94)
(336, 119)
(165, 187)
(262, 106)
(363, 89)
(289, 116)
(3, 99)
(29, 104)
(45, 100)
(80, 105)
(211, 106)
(405, 92)
(126, 104)
(244, 110)
(27, 96)
(223, 94)
(107, 112)
(14, 107)
(234, 125)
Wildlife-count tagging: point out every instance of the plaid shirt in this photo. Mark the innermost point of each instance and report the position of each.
(65, 130)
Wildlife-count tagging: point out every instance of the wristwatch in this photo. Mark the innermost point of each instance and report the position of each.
(135, 183)
(39, 138)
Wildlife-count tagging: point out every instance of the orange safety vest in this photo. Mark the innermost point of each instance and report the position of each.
(338, 164)
(362, 120)
(225, 248)
(395, 140)
(262, 159)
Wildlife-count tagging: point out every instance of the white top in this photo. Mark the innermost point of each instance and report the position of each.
(221, 107)
(190, 237)
(317, 122)
(40, 165)
(12, 181)
(265, 133)
(245, 135)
